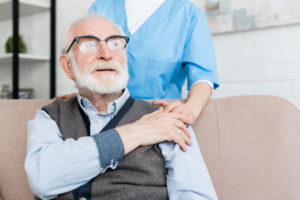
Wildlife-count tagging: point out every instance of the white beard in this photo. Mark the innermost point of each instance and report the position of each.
(110, 83)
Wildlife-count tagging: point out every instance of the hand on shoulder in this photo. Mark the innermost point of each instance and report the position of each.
(188, 113)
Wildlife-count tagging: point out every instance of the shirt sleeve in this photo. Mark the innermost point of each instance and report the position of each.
(188, 177)
(55, 166)
(205, 81)
(199, 57)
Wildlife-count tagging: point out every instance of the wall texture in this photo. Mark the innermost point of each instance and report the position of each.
(235, 15)
(263, 61)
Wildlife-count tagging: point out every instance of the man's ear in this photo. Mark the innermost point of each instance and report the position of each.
(66, 64)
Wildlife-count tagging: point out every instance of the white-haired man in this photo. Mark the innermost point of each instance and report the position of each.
(103, 144)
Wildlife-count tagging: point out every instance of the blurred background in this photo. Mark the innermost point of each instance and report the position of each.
(257, 44)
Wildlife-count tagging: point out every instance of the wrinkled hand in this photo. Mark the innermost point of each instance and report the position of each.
(154, 128)
(65, 96)
(177, 107)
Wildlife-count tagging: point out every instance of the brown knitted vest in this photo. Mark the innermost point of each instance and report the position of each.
(142, 173)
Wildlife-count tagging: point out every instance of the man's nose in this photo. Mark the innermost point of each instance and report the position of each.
(104, 52)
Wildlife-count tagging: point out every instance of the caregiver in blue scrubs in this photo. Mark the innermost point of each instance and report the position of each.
(169, 42)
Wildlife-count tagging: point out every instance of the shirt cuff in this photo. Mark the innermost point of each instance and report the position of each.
(206, 81)
(110, 148)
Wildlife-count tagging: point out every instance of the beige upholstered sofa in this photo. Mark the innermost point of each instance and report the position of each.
(251, 146)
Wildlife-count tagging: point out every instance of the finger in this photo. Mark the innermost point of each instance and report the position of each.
(178, 140)
(183, 128)
(158, 111)
(65, 97)
(182, 117)
(172, 106)
(179, 125)
(181, 139)
(187, 115)
(160, 102)
(71, 95)
(59, 97)
(153, 114)
(180, 109)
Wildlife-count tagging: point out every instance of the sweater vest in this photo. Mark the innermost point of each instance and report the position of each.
(141, 174)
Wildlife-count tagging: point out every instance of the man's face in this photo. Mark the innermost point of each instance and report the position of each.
(104, 71)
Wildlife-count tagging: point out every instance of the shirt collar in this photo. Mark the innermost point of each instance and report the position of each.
(113, 106)
(138, 12)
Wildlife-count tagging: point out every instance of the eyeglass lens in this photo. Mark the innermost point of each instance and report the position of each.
(92, 45)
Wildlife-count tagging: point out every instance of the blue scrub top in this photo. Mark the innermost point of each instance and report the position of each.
(173, 44)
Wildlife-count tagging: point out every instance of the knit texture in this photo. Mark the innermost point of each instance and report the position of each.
(142, 173)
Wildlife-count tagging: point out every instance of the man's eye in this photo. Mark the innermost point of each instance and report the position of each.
(115, 43)
(89, 44)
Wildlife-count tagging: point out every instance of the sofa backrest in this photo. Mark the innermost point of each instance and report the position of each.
(250, 145)
(14, 115)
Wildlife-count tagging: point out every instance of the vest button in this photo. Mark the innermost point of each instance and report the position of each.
(82, 198)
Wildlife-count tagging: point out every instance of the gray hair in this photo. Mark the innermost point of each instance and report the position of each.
(66, 36)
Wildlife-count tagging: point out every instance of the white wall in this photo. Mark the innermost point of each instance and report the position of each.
(263, 62)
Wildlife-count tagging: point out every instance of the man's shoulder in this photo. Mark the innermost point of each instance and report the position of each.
(59, 103)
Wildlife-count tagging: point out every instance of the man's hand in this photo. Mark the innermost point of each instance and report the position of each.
(154, 128)
(65, 96)
(177, 107)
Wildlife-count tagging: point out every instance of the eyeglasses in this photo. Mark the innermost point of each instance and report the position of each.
(89, 44)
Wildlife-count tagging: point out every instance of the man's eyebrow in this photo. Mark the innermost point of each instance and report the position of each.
(86, 34)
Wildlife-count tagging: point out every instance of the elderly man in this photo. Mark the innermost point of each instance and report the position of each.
(103, 144)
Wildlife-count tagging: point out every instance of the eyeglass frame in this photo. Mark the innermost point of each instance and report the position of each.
(77, 39)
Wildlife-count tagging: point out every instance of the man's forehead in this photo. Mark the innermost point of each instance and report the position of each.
(95, 26)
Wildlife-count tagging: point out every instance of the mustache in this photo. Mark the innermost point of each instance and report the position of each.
(99, 65)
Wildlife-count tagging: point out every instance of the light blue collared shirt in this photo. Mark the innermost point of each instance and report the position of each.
(55, 166)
